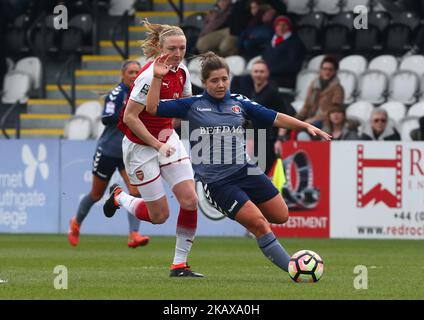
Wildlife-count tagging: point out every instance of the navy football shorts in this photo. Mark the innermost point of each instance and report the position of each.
(104, 166)
(228, 195)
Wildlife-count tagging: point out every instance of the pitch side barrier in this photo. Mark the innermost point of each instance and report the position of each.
(340, 189)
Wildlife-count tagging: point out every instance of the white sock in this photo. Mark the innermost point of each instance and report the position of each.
(127, 201)
(184, 241)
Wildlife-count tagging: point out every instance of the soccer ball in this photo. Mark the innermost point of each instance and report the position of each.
(306, 266)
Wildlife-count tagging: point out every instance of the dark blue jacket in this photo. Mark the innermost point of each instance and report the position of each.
(285, 59)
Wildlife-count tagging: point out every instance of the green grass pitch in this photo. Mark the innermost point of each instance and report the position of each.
(103, 267)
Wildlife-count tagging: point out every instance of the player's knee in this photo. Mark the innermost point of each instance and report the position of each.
(189, 201)
(259, 226)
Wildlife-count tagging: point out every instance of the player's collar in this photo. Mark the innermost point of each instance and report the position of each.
(214, 100)
(175, 69)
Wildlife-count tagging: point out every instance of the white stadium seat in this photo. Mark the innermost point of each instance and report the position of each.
(16, 86)
(315, 63)
(396, 110)
(249, 65)
(360, 110)
(118, 7)
(196, 79)
(195, 65)
(298, 105)
(327, 6)
(385, 63)
(403, 87)
(303, 81)
(31, 66)
(406, 126)
(142, 60)
(355, 63)
(372, 86)
(78, 128)
(349, 84)
(99, 127)
(416, 110)
(90, 109)
(237, 64)
(298, 6)
(349, 5)
(414, 63)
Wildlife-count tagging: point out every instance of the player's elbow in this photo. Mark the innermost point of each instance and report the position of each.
(127, 118)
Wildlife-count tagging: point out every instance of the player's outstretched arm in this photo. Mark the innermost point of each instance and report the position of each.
(160, 69)
(284, 121)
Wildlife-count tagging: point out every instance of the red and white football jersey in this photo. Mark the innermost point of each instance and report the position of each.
(175, 84)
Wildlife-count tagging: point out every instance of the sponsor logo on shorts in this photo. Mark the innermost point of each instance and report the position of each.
(140, 175)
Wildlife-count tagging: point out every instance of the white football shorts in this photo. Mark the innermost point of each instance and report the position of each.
(145, 167)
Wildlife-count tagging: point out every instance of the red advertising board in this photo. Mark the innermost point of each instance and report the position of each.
(306, 191)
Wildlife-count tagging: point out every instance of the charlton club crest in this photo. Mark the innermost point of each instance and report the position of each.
(236, 109)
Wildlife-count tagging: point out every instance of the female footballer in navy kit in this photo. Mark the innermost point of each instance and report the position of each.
(238, 189)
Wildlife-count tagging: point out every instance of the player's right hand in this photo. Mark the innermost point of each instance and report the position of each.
(161, 67)
(166, 150)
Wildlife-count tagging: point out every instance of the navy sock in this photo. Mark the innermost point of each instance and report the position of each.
(273, 250)
(84, 207)
(133, 221)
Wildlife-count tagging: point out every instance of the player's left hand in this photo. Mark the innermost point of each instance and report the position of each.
(314, 131)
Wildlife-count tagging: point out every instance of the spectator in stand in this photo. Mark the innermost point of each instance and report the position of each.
(257, 87)
(418, 134)
(259, 31)
(215, 34)
(324, 93)
(240, 15)
(379, 128)
(284, 54)
(339, 127)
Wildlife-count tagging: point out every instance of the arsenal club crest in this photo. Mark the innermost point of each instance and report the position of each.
(140, 175)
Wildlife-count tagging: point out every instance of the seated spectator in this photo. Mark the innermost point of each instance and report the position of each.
(379, 128)
(259, 31)
(324, 93)
(257, 87)
(418, 134)
(339, 127)
(215, 34)
(284, 54)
